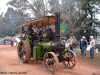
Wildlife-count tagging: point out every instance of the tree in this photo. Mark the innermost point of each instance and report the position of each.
(69, 11)
(39, 8)
(89, 21)
(79, 14)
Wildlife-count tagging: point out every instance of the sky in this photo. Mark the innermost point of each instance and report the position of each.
(3, 6)
(3, 3)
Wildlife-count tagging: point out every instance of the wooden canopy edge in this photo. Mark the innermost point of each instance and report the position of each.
(42, 21)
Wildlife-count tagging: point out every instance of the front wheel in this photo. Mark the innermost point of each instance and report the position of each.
(50, 61)
(70, 59)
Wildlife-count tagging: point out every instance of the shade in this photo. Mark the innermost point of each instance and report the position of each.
(41, 22)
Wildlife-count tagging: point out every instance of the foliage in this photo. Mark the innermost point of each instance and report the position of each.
(88, 21)
(78, 14)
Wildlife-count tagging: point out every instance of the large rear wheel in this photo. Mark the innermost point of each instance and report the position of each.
(23, 52)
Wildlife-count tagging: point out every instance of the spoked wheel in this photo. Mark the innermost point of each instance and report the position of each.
(21, 53)
(50, 62)
(70, 59)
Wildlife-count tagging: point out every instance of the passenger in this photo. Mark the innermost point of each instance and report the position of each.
(40, 32)
(50, 34)
(30, 33)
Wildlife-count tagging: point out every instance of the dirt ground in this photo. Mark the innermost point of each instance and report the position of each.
(9, 65)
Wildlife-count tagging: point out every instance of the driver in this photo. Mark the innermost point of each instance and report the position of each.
(31, 33)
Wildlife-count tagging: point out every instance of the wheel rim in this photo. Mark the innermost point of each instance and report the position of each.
(70, 60)
(22, 56)
(49, 62)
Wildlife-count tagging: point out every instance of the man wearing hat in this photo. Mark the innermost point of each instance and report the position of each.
(92, 43)
(83, 46)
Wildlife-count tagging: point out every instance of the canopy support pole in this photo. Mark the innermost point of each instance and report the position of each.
(57, 26)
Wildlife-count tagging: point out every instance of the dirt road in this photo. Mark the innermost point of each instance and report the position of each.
(9, 65)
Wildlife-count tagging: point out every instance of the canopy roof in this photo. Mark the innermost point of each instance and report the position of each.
(41, 22)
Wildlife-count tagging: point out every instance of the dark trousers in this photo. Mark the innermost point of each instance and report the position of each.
(83, 50)
(92, 53)
(31, 44)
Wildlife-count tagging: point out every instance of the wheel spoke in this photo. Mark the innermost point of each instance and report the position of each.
(49, 62)
(70, 60)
